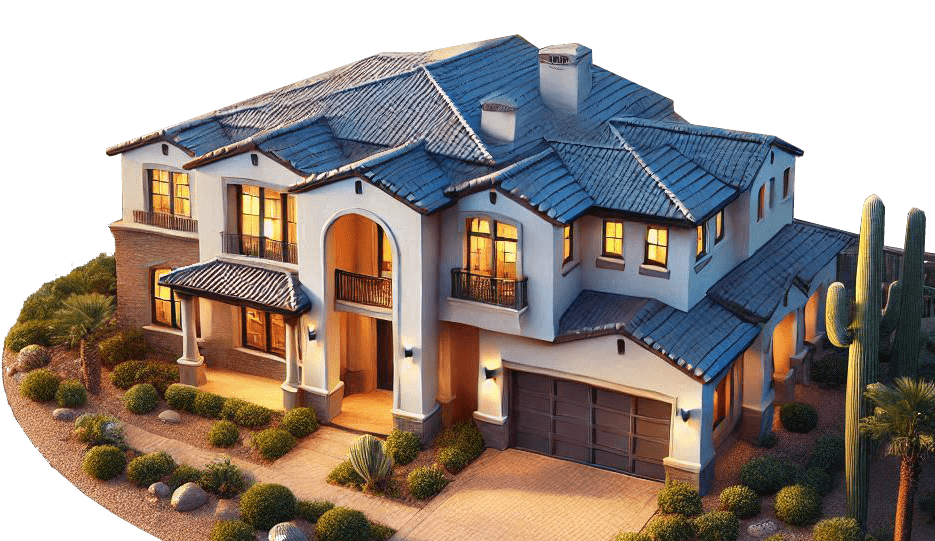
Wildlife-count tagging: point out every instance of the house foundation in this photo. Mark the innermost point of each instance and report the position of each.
(702, 478)
(426, 427)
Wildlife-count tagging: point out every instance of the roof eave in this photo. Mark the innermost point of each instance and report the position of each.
(139, 142)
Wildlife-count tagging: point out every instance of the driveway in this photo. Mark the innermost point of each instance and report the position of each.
(519, 495)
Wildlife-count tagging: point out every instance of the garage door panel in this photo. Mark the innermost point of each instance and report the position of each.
(572, 450)
(611, 460)
(610, 439)
(613, 420)
(572, 390)
(612, 400)
(647, 407)
(652, 470)
(534, 401)
(650, 449)
(572, 409)
(533, 441)
(570, 430)
(653, 429)
(533, 382)
(530, 421)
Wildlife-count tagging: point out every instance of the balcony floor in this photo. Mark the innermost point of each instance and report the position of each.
(259, 390)
(367, 412)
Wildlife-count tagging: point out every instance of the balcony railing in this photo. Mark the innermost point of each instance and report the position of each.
(488, 289)
(165, 221)
(363, 289)
(262, 247)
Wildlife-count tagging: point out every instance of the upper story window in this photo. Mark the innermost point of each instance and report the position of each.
(263, 331)
(384, 254)
(568, 243)
(169, 193)
(761, 203)
(167, 310)
(266, 224)
(787, 180)
(772, 192)
(492, 248)
(701, 232)
(657, 245)
(613, 239)
(719, 226)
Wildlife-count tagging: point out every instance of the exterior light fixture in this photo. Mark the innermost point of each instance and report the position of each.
(685, 414)
(312, 334)
(490, 373)
(408, 353)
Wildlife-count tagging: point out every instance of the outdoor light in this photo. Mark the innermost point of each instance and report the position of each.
(685, 414)
(312, 335)
(490, 373)
(408, 353)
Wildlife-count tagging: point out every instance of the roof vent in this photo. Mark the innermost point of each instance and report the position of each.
(498, 119)
(565, 77)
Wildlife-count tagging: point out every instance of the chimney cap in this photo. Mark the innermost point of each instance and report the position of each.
(568, 53)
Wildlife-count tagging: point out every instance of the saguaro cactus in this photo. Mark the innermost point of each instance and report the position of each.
(906, 343)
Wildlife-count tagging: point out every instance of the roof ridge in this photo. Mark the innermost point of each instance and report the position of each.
(490, 179)
(696, 164)
(454, 109)
(376, 158)
(662, 185)
(484, 45)
(583, 144)
(687, 127)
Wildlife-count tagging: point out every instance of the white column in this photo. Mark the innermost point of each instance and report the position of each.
(191, 365)
(292, 357)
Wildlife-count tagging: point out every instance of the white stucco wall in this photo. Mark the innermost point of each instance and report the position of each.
(782, 210)
(133, 166)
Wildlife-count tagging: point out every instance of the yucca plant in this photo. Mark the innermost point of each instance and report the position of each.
(370, 460)
(77, 324)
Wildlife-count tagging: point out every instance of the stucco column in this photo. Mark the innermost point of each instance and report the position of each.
(191, 365)
(290, 387)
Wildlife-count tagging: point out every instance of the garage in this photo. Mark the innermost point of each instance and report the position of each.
(589, 424)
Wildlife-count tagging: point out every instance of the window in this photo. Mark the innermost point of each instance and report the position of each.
(266, 223)
(613, 239)
(167, 310)
(492, 248)
(169, 193)
(568, 244)
(719, 226)
(772, 192)
(702, 240)
(263, 331)
(722, 398)
(384, 254)
(787, 180)
(761, 203)
(657, 245)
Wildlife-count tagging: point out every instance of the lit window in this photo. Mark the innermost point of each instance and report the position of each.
(657, 245)
(492, 248)
(702, 240)
(267, 223)
(169, 193)
(613, 239)
(722, 398)
(167, 310)
(385, 255)
(263, 331)
(761, 203)
(787, 180)
(719, 226)
(568, 245)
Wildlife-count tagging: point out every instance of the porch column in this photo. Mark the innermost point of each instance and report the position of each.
(191, 364)
(290, 387)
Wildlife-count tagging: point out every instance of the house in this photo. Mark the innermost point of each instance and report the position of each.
(493, 232)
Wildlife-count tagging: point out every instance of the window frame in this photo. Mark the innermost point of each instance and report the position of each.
(772, 192)
(287, 222)
(719, 226)
(646, 244)
(568, 236)
(494, 238)
(267, 331)
(761, 203)
(787, 179)
(173, 191)
(175, 315)
(622, 238)
(700, 251)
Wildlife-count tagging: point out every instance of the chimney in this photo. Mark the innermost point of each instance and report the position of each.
(565, 77)
(498, 119)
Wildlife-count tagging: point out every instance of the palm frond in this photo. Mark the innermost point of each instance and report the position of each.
(904, 413)
(82, 315)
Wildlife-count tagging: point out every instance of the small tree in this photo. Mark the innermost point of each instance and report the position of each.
(905, 414)
(77, 324)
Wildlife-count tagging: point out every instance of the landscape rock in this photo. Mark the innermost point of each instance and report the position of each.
(18, 377)
(763, 528)
(64, 414)
(170, 416)
(160, 490)
(286, 531)
(32, 357)
(188, 497)
(227, 510)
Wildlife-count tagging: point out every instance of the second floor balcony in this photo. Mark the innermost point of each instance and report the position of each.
(363, 289)
(261, 247)
(509, 293)
(165, 221)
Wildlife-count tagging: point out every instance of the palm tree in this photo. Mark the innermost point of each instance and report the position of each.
(77, 324)
(905, 414)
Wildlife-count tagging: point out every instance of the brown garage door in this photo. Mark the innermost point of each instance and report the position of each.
(588, 424)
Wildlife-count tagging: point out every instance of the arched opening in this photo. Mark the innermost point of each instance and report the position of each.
(812, 322)
(784, 344)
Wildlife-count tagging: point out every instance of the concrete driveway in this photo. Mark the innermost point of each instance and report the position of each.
(519, 495)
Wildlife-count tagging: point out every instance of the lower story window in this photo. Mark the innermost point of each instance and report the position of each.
(263, 331)
(167, 309)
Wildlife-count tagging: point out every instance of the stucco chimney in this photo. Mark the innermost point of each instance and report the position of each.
(565, 76)
(498, 119)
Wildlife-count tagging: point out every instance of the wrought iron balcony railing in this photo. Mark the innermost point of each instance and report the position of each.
(363, 289)
(262, 247)
(165, 221)
(488, 289)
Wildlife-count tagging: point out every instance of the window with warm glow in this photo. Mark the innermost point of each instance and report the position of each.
(385, 256)
(167, 310)
(701, 232)
(169, 193)
(492, 248)
(787, 179)
(505, 265)
(263, 331)
(722, 398)
(613, 239)
(761, 203)
(719, 226)
(657, 245)
(266, 214)
(568, 245)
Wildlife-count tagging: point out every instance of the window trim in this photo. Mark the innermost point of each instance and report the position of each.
(172, 190)
(285, 219)
(604, 252)
(570, 256)
(646, 260)
(494, 238)
(173, 324)
(719, 228)
(699, 255)
(267, 334)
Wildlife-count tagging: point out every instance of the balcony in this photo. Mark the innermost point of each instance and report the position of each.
(165, 221)
(262, 247)
(488, 289)
(363, 289)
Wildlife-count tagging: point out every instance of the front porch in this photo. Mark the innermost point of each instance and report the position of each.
(368, 412)
(266, 392)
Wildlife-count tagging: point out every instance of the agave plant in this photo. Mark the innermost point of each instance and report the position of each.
(76, 324)
(370, 460)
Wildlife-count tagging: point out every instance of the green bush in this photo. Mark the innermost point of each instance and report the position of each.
(104, 462)
(300, 422)
(403, 447)
(828, 454)
(207, 405)
(30, 332)
(426, 482)
(776, 537)
(71, 394)
(797, 505)
(124, 345)
(679, 498)
(670, 528)
(798, 417)
(39, 385)
(454, 458)
(343, 524)
(181, 397)
(97, 429)
(141, 398)
(831, 370)
(223, 434)
(147, 469)
(183, 474)
(344, 474)
(717, 526)
(632, 536)
(740, 500)
(223, 478)
(837, 529)
(124, 374)
(766, 474)
(273, 443)
(253, 416)
(96, 276)
(231, 407)
(379, 532)
(768, 440)
(816, 479)
(32, 357)
(312, 511)
(158, 374)
(232, 530)
(464, 435)
(265, 505)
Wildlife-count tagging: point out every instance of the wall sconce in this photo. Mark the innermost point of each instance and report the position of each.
(685, 414)
(490, 373)
(408, 353)
(312, 334)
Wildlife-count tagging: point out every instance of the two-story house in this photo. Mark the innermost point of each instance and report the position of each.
(489, 231)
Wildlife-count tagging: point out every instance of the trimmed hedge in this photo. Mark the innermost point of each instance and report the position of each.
(344, 474)
(232, 530)
(273, 443)
(253, 416)
(837, 529)
(828, 454)
(816, 479)
(454, 458)
(798, 417)
(223, 434)
(312, 511)
(141, 398)
(766, 474)
(300, 422)
(679, 498)
(223, 478)
(797, 505)
(717, 526)
(71, 394)
(831, 370)
(27, 333)
(181, 397)
(403, 447)
(122, 346)
(99, 429)
(39, 385)
(380, 532)
(768, 440)
(426, 482)
(158, 374)
(670, 528)
(343, 524)
(266, 504)
(183, 474)
(207, 405)
(104, 462)
(231, 407)
(465, 435)
(740, 500)
(147, 469)
(632, 536)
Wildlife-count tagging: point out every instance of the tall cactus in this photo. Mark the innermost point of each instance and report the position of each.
(370, 460)
(862, 335)
(906, 344)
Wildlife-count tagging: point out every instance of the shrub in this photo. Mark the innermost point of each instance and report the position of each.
(145, 470)
(141, 398)
(158, 374)
(266, 504)
(230, 408)
(183, 474)
(816, 479)
(679, 498)
(343, 474)
(181, 397)
(369, 459)
(95, 429)
(32, 357)
(454, 458)
(740, 500)
(828, 454)
(104, 462)
(252, 416)
(232, 530)
(300, 422)
(830, 371)
(798, 417)
(223, 478)
(670, 528)
(464, 435)
(39, 385)
(768, 440)
(71, 394)
(403, 447)
(124, 345)
(426, 482)
(379, 532)
(717, 526)
(312, 511)
(223, 434)
(797, 505)
(766, 474)
(25, 333)
(837, 529)
(273, 443)
(343, 524)
(124, 374)
(207, 405)
(632, 536)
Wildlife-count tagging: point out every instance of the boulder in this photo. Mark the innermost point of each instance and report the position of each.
(763, 528)
(32, 357)
(227, 510)
(170, 416)
(160, 490)
(64, 414)
(188, 497)
(19, 376)
(286, 531)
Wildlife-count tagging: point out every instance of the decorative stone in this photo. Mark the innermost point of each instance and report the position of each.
(32, 357)
(286, 531)
(764, 528)
(160, 490)
(64, 414)
(227, 510)
(170, 416)
(19, 376)
(188, 497)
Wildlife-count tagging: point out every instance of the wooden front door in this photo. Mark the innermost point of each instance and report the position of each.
(384, 355)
